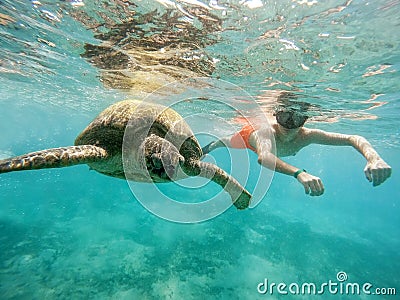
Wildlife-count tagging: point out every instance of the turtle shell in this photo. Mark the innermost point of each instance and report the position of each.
(132, 121)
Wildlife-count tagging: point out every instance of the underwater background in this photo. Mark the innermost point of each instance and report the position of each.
(72, 233)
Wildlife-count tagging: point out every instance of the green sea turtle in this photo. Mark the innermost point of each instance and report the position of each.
(160, 147)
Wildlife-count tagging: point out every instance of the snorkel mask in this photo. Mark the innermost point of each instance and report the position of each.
(290, 118)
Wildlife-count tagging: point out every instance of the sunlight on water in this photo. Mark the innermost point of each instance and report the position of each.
(73, 233)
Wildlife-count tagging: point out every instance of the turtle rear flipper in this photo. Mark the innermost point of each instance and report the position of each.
(54, 158)
(240, 196)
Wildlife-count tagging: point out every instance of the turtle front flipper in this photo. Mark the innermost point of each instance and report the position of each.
(54, 158)
(240, 196)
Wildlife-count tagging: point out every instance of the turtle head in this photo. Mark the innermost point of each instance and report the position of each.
(167, 163)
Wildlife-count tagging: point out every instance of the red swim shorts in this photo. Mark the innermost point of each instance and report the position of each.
(240, 139)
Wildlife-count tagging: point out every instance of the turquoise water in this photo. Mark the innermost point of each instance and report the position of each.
(75, 234)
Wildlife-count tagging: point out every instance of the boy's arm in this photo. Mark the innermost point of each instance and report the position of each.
(312, 184)
(223, 142)
(376, 170)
